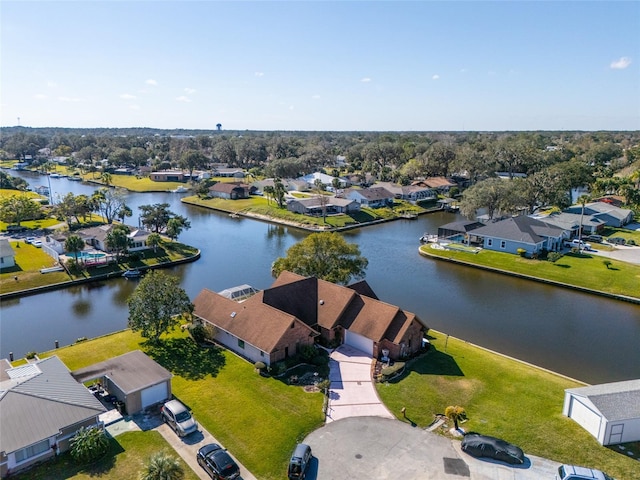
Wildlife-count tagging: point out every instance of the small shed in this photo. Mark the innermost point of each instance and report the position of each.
(133, 378)
(610, 411)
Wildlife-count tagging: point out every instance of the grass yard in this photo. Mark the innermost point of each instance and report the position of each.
(504, 398)
(584, 270)
(258, 419)
(29, 260)
(7, 193)
(125, 459)
(623, 233)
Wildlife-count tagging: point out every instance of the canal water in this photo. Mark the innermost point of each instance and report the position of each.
(583, 336)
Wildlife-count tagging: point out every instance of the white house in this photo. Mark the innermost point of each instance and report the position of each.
(610, 411)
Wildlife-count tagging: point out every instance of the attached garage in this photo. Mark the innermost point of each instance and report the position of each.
(133, 378)
(610, 412)
(359, 342)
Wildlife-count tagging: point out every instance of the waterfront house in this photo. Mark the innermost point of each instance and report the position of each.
(317, 205)
(7, 255)
(611, 215)
(571, 222)
(41, 408)
(410, 193)
(326, 180)
(521, 232)
(373, 197)
(167, 176)
(296, 311)
(441, 184)
(229, 191)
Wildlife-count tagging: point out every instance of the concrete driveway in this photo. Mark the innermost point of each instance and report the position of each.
(379, 448)
(352, 393)
(624, 253)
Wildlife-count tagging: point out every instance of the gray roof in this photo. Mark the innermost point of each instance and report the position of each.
(5, 248)
(38, 400)
(131, 372)
(599, 208)
(520, 229)
(571, 221)
(374, 193)
(616, 401)
(462, 226)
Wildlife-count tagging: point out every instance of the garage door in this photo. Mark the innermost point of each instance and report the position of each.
(359, 342)
(588, 419)
(155, 394)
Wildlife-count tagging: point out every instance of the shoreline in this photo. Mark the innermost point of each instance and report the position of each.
(613, 296)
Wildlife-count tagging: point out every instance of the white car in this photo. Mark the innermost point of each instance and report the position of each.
(37, 243)
(579, 244)
(570, 472)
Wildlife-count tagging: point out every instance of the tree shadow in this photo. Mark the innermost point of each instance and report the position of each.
(184, 357)
(561, 265)
(433, 363)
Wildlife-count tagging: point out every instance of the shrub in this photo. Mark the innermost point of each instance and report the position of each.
(522, 252)
(278, 368)
(631, 241)
(392, 370)
(259, 366)
(89, 444)
(319, 360)
(31, 355)
(553, 257)
(308, 352)
(198, 333)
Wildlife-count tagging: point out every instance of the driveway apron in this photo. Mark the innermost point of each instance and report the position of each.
(352, 392)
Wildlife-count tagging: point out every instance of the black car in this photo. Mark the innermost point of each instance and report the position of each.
(217, 462)
(490, 447)
(299, 462)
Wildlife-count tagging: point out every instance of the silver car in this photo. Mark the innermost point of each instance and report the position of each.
(571, 472)
(179, 418)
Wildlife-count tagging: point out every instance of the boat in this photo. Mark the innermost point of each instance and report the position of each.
(55, 175)
(132, 274)
(75, 178)
(429, 237)
(180, 189)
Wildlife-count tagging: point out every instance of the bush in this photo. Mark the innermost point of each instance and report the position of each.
(31, 355)
(319, 360)
(522, 252)
(278, 369)
(308, 352)
(198, 333)
(631, 241)
(89, 444)
(259, 366)
(392, 370)
(553, 257)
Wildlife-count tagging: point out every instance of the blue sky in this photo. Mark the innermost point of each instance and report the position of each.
(311, 65)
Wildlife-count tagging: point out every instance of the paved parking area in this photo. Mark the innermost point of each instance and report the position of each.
(352, 393)
(380, 448)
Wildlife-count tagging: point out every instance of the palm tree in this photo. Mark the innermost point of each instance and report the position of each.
(105, 177)
(74, 244)
(456, 414)
(582, 200)
(162, 466)
(153, 240)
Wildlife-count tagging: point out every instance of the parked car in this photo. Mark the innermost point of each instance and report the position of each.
(616, 240)
(575, 243)
(179, 418)
(571, 472)
(299, 462)
(29, 239)
(37, 243)
(595, 238)
(478, 445)
(217, 462)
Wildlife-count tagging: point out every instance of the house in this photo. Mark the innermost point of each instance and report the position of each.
(611, 215)
(97, 237)
(610, 411)
(7, 255)
(521, 232)
(440, 184)
(372, 197)
(462, 227)
(229, 191)
(295, 311)
(133, 378)
(138, 239)
(229, 172)
(167, 176)
(41, 408)
(326, 180)
(329, 205)
(410, 193)
(571, 222)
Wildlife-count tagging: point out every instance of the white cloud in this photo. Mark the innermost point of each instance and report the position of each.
(463, 70)
(316, 97)
(127, 96)
(290, 107)
(183, 98)
(259, 74)
(51, 84)
(365, 80)
(151, 82)
(39, 96)
(134, 107)
(435, 77)
(70, 99)
(621, 63)
(189, 91)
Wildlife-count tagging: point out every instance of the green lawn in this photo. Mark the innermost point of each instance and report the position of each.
(504, 398)
(584, 270)
(127, 454)
(258, 419)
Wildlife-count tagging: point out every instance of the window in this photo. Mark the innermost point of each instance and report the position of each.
(32, 451)
(503, 244)
(241, 343)
(489, 242)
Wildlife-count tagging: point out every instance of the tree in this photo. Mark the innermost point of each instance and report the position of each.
(105, 177)
(74, 244)
(118, 240)
(108, 202)
(269, 192)
(162, 466)
(176, 225)
(455, 413)
(155, 305)
(153, 240)
(124, 211)
(582, 200)
(155, 217)
(325, 255)
(18, 208)
(489, 194)
(89, 444)
(278, 192)
(191, 160)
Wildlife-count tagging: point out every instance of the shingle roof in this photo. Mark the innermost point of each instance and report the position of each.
(520, 229)
(131, 372)
(40, 405)
(5, 248)
(616, 401)
(374, 193)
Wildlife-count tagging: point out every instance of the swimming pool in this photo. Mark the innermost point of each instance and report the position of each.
(87, 255)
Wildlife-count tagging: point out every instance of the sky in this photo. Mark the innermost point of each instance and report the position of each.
(321, 65)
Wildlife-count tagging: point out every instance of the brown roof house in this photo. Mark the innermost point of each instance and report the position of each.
(273, 324)
(41, 408)
(229, 190)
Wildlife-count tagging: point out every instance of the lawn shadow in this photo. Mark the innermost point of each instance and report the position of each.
(630, 449)
(561, 265)
(184, 357)
(435, 362)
